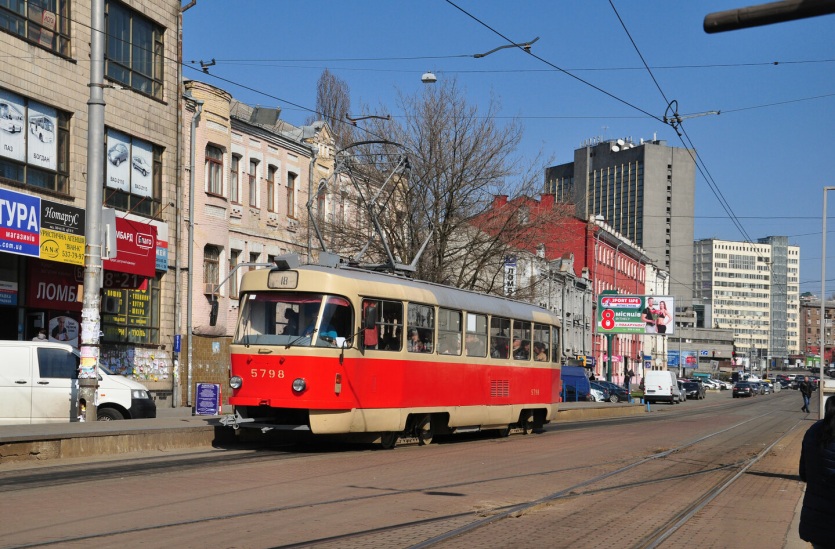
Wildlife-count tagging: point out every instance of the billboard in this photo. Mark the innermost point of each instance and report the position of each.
(635, 314)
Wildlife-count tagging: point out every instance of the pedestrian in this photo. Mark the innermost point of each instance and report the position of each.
(805, 390)
(41, 335)
(817, 470)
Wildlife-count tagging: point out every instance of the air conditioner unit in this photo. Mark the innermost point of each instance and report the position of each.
(209, 288)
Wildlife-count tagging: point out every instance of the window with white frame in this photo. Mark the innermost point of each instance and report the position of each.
(234, 183)
(291, 194)
(214, 170)
(271, 171)
(253, 182)
(234, 256)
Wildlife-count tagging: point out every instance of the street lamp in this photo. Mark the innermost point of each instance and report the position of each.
(823, 292)
(429, 77)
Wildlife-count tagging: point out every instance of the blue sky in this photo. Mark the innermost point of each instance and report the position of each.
(769, 152)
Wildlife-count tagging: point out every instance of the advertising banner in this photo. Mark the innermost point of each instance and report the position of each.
(62, 233)
(137, 245)
(8, 292)
(141, 161)
(52, 286)
(43, 145)
(12, 136)
(688, 359)
(20, 223)
(118, 161)
(635, 314)
(162, 239)
(510, 275)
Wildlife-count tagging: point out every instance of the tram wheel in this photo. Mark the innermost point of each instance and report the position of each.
(526, 423)
(388, 440)
(424, 430)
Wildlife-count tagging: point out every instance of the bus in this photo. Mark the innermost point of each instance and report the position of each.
(377, 357)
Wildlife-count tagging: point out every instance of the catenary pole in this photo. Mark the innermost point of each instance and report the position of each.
(91, 304)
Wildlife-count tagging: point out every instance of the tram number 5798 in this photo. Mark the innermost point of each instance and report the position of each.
(267, 373)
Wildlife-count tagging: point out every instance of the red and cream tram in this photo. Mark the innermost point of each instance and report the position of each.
(339, 350)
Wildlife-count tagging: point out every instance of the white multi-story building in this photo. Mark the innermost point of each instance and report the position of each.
(753, 289)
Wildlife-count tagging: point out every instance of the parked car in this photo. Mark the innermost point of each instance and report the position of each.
(694, 389)
(681, 390)
(570, 394)
(617, 393)
(599, 392)
(661, 386)
(117, 154)
(765, 388)
(744, 389)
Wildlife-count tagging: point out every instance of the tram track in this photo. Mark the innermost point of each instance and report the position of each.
(455, 527)
(575, 491)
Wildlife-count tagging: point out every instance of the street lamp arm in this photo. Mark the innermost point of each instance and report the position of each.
(524, 45)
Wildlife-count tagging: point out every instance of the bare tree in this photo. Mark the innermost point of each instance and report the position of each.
(435, 173)
(333, 104)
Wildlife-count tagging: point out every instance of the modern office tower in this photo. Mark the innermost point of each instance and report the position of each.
(643, 190)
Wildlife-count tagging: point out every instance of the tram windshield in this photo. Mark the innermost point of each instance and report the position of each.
(295, 319)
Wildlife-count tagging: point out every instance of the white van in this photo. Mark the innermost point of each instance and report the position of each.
(661, 386)
(39, 384)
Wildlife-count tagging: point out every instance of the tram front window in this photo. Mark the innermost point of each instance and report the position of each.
(295, 319)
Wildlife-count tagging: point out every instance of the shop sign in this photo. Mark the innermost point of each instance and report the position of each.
(136, 244)
(8, 292)
(39, 228)
(52, 286)
(20, 223)
(162, 239)
(62, 233)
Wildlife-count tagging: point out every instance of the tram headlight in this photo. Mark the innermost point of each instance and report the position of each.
(299, 385)
(235, 382)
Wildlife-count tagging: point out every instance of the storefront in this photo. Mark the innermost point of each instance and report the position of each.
(41, 275)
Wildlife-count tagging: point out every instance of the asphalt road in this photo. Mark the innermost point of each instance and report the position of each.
(719, 472)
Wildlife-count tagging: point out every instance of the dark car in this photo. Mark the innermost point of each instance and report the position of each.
(570, 394)
(617, 393)
(694, 389)
(744, 389)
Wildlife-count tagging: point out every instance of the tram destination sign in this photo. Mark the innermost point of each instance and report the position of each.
(635, 314)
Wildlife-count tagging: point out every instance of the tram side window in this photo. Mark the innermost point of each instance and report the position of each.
(521, 340)
(555, 344)
(388, 335)
(449, 332)
(421, 326)
(476, 335)
(499, 337)
(541, 342)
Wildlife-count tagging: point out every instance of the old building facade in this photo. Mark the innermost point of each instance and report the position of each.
(44, 91)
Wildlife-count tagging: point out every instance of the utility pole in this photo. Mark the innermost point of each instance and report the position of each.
(88, 377)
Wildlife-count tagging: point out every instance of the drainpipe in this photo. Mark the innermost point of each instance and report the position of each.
(190, 284)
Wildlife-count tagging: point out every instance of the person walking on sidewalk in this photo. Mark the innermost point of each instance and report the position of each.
(805, 390)
(817, 470)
